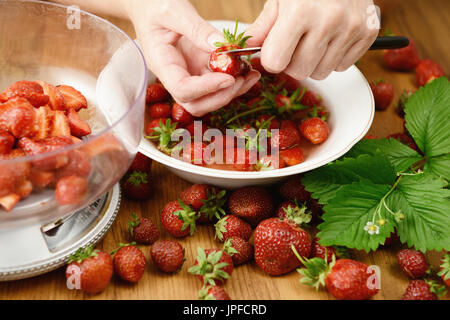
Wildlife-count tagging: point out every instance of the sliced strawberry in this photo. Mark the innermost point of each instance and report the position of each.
(44, 122)
(24, 189)
(9, 201)
(56, 99)
(6, 142)
(78, 165)
(13, 174)
(41, 179)
(105, 144)
(74, 98)
(30, 90)
(61, 127)
(292, 156)
(17, 116)
(71, 190)
(78, 127)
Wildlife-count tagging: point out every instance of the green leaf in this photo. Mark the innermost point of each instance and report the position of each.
(428, 117)
(440, 166)
(426, 206)
(348, 213)
(400, 155)
(324, 182)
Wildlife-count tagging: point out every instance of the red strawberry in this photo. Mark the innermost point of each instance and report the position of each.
(401, 105)
(92, 268)
(403, 59)
(155, 123)
(141, 163)
(405, 139)
(24, 189)
(273, 122)
(129, 262)
(213, 293)
(224, 141)
(315, 130)
(167, 255)
(323, 252)
(41, 179)
(370, 137)
(71, 190)
(156, 93)
(292, 156)
(56, 98)
(252, 204)
(412, 263)
(142, 230)
(240, 159)
(287, 82)
(293, 189)
(180, 115)
(383, 93)
(73, 98)
(229, 63)
(44, 122)
(422, 290)
(345, 279)
(256, 64)
(287, 136)
(195, 153)
(240, 250)
(78, 127)
(212, 266)
(78, 165)
(30, 90)
(231, 226)
(12, 175)
(255, 91)
(206, 199)
(61, 126)
(294, 212)
(17, 116)
(191, 128)
(273, 240)
(137, 186)
(271, 162)
(6, 142)
(310, 99)
(160, 110)
(9, 201)
(178, 219)
(427, 71)
(444, 271)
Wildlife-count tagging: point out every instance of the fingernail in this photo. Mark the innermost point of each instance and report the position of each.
(213, 38)
(226, 84)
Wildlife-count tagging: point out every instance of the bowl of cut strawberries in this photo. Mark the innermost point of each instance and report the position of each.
(72, 91)
(281, 127)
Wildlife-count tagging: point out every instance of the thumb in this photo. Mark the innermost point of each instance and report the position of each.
(263, 24)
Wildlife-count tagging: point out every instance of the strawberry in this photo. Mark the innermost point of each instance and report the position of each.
(252, 204)
(412, 263)
(13, 174)
(383, 94)
(405, 139)
(17, 116)
(310, 99)
(44, 122)
(401, 105)
(180, 115)
(29, 90)
(326, 253)
(78, 165)
(6, 142)
(403, 59)
(240, 159)
(315, 130)
(206, 199)
(256, 64)
(287, 82)
(423, 290)
(287, 136)
(231, 226)
(293, 189)
(129, 262)
(270, 162)
(41, 179)
(78, 127)
(161, 131)
(444, 271)
(155, 123)
(195, 153)
(94, 267)
(61, 126)
(191, 129)
(71, 190)
(156, 93)
(141, 163)
(273, 122)
(137, 186)
(74, 99)
(24, 189)
(9, 201)
(178, 219)
(345, 279)
(213, 293)
(167, 255)
(294, 212)
(224, 141)
(212, 266)
(240, 250)
(370, 137)
(56, 98)
(255, 91)
(273, 240)
(292, 156)
(142, 230)
(160, 110)
(290, 103)
(427, 71)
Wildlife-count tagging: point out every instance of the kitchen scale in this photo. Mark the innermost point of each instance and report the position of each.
(36, 249)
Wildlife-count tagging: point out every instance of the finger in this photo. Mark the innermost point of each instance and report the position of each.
(356, 52)
(262, 25)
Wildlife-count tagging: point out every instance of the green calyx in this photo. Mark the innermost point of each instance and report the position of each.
(133, 223)
(164, 133)
(233, 38)
(83, 254)
(445, 267)
(188, 215)
(220, 227)
(137, 177)
(213, 206)
(437, 289)
(228, 248)
(315, 270)
(203, 294)
(298, 214)
(121, 245)
(209, 267)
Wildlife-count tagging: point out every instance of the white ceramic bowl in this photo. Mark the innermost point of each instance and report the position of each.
(351, 104)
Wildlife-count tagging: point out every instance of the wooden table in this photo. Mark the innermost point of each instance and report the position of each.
(427, 21)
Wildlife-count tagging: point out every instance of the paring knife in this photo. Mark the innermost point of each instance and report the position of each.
(380, 43)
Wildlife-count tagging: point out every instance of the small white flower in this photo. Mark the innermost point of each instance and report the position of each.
(372, 228)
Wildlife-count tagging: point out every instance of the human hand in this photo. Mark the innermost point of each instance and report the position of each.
(312, 38)
(177, 43)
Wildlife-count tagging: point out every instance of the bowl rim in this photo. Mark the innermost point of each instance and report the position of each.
(177, 164)
(92, 137)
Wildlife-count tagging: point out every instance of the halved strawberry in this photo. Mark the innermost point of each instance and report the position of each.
(13, 174)
(56, 99)
(41, 179)
(71, 190)
(17, 116)
(24, 189)
(61, 125)
(30, 90)
(78, 127)
(9, 201)
(74, 98)
(78, 165)
(44, 122)
(6, 142)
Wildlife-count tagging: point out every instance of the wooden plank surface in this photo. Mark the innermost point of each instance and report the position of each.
(427, 21)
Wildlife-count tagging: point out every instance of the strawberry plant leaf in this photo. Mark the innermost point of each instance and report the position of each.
(400, 155)
(439, 166)
(324, 182)
(428, 117)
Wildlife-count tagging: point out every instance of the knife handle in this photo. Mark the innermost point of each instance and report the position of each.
(390, 43)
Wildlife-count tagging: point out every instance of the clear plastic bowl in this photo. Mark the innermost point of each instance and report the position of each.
(53, 43)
